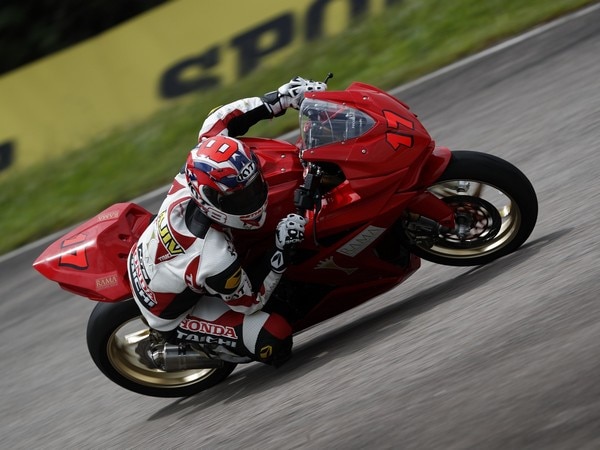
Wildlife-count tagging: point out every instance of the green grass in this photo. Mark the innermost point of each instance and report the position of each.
(411, 39)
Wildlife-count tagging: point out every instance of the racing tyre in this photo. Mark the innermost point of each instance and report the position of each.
(113, 333)
(495, 209)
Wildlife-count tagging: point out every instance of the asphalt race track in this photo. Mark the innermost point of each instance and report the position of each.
(495, 357)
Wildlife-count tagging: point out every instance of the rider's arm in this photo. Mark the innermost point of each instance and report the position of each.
(220, 274)
(236, 118)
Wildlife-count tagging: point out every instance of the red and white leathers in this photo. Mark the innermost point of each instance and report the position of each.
(185, 273)
(235, 118)
(171, 269)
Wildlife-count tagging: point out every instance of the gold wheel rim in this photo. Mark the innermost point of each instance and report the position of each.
(122, 356)
(503, 203)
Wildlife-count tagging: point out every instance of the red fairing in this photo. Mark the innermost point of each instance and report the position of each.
(91, 260)
(397, 142)
(385, 168)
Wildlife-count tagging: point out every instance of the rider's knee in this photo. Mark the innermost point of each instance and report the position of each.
(274, 343)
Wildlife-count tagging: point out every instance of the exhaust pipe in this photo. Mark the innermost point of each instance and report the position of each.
(182, 356)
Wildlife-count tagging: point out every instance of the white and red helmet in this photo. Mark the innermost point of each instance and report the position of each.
(226, 183)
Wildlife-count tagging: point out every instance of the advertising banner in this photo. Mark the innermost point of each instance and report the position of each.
(61, 102)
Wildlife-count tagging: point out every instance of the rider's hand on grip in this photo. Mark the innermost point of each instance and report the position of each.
(290, 231)
(291, 94)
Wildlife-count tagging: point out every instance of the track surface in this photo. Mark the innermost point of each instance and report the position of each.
(502, 356)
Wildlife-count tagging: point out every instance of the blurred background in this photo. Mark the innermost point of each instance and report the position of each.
(32, 29)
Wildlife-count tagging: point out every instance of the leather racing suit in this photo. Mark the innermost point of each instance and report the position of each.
(185, 272)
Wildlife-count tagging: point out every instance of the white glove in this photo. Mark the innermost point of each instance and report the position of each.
(291, 94)
(290, 231)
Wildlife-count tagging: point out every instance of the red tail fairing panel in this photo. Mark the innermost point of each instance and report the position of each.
(91, 259)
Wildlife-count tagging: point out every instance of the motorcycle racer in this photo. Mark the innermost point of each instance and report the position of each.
(184, 270)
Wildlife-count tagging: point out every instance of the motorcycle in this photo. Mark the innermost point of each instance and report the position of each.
(379, 196)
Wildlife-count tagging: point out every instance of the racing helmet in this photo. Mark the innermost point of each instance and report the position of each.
(226, 183)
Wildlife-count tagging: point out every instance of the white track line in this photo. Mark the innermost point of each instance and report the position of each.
(444, 70)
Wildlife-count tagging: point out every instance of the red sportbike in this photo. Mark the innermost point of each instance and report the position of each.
(378, 194)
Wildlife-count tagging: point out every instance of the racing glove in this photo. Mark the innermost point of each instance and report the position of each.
(290, 95)
(290, 231)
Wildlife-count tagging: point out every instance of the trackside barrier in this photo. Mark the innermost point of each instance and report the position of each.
(63, 101)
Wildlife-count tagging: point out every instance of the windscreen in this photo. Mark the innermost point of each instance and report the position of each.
(323, 122)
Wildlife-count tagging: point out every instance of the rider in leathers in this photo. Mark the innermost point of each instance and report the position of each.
(184, 270)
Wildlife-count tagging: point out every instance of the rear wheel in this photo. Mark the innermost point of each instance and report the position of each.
(113, 333)
(495, 209)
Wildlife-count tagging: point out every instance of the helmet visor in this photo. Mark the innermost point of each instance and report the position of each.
(240, 202)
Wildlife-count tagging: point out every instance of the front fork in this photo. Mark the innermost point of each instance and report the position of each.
(428, 216)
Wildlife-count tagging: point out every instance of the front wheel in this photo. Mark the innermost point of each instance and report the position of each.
(113, 333)
(495, 210)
